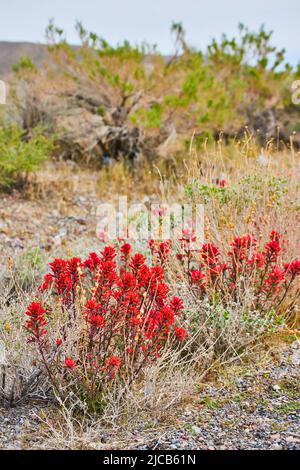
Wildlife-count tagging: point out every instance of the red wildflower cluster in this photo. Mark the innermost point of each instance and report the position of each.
(241, 247)
(70, 363)
(114, 361)
(275, 279)
(273, 247)
(64, 278)
(180, 333)
(197, 278)
(35, 325)
(128, 318)
(244, 267)
(293, 268)
(222, 183)
(160, 250)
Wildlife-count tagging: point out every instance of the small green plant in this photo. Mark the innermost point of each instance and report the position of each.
(21, 154)
(24, 63)
(150, 118)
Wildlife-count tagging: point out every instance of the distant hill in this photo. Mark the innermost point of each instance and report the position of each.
(10, 53)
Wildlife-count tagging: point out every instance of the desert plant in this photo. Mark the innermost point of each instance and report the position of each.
(21, 154)
(254, 279)
(107, 326)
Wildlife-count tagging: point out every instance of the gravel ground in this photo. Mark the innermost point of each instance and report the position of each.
(248, 407)
(25, 224)
(256, 409)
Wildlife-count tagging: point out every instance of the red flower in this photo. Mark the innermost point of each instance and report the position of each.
(217, 270)
(108, 254)
(275, 236)
(92, 307)
(108, 272)
(97, 321)
(159, 292)
(48, 278)
(293, 268)
(128, 281)
(275, 278)
(35, 310)
(64, 278)
(222, 183)
(167, 315)
(157, 273)
(163, 250)
(241, 247)
(126, 249)
(70, 363)
(137, 261)
(114, 361)
(210, 253)
(197, 277)
(37, 321)
(92, 262)
(177, 305)
(58, 341)
(273, 249)
(257, 259)
(180, 333)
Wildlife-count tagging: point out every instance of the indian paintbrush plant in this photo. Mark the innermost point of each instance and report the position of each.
(111, 319)
(113, 315)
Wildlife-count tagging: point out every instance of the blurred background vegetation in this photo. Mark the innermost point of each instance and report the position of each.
(97, 104)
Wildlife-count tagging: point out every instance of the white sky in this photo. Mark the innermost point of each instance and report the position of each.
(150, 20)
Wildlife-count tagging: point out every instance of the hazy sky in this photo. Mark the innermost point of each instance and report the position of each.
(150, 20)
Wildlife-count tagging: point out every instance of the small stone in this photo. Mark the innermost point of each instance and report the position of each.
(276, 388)
(81, 221)
(292, 439)
(276, 447)
(239, 381)
(196, 429)
(275, 437)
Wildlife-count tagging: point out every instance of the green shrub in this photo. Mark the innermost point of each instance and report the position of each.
(21, 154)
(24, 63)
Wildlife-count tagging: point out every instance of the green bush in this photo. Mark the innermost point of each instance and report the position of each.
(24, 63)
(21, 154)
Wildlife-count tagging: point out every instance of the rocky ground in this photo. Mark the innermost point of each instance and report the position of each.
(253, 406)
(61, 216)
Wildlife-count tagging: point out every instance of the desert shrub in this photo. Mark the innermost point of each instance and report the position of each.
(21, 154)
(102, 324)
(24, 63)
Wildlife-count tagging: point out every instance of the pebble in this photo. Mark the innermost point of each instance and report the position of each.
(276, 447)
